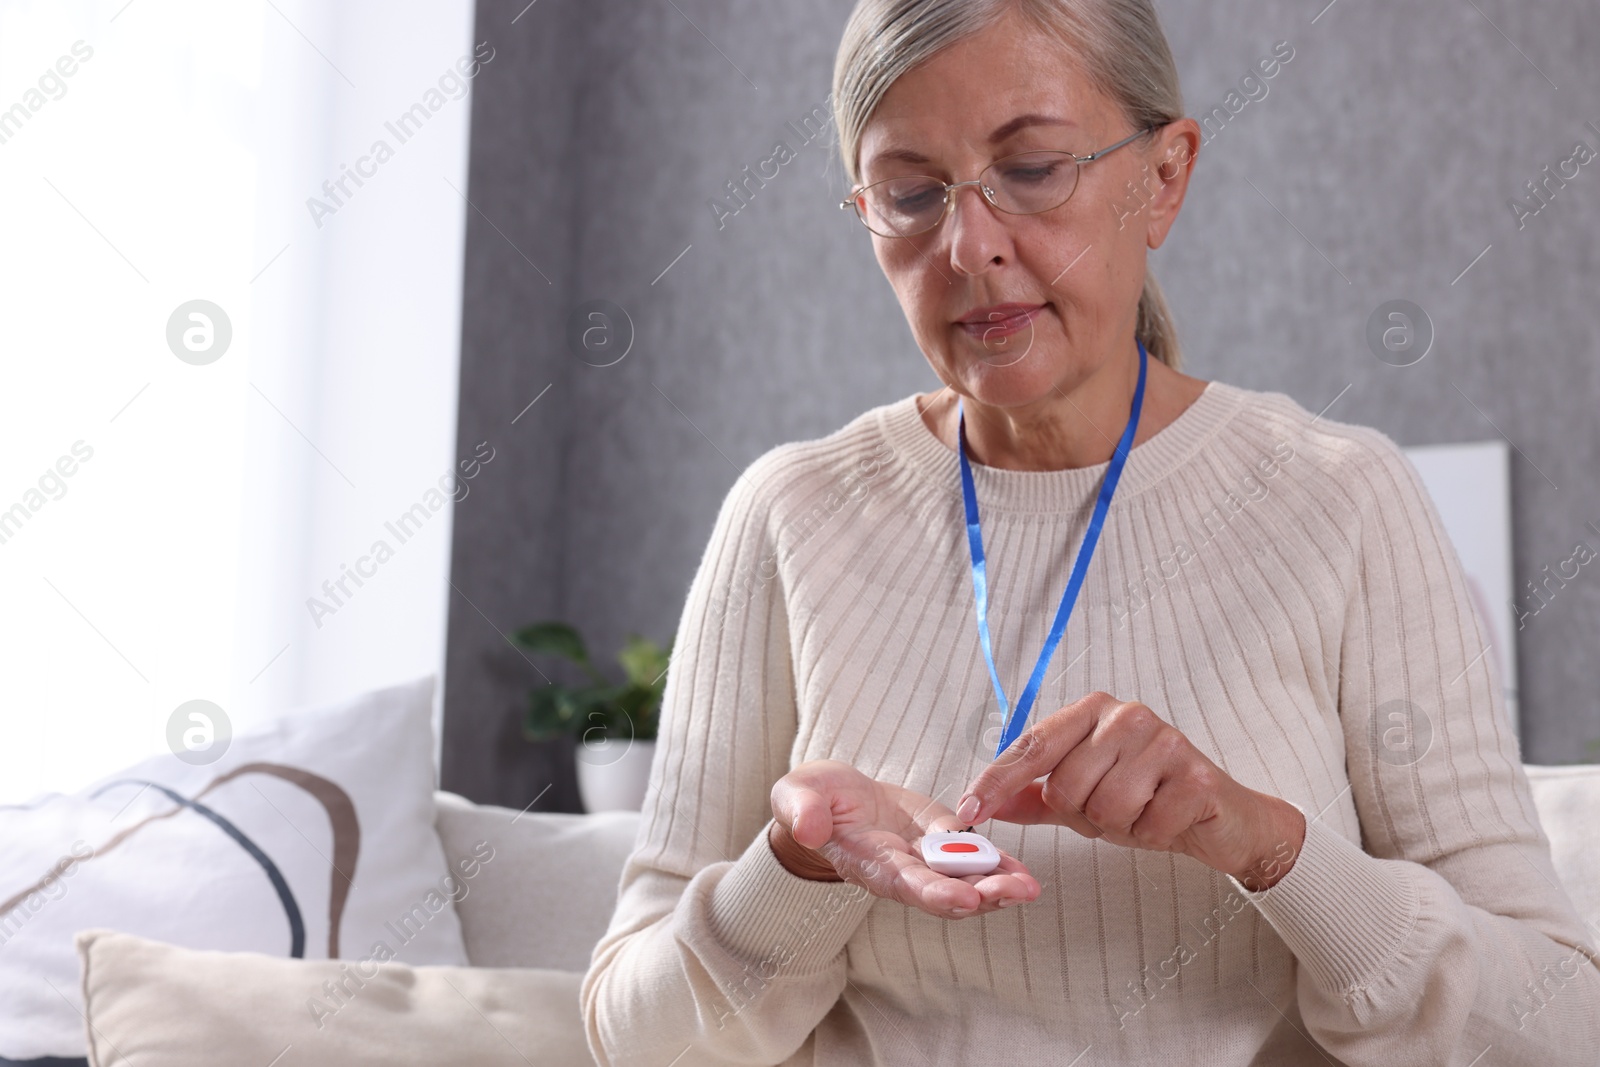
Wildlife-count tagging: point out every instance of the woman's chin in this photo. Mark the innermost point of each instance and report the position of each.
(1003, 371)
(1004, 387)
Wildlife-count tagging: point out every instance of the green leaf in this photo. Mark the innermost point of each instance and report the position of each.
(549, 714)
(642, 660)
(554, 638)
(632, 709)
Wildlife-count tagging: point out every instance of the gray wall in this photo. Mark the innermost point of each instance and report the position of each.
(1378, 166)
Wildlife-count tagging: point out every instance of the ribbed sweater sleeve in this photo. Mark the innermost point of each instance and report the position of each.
(1448, 938)
(716, 954)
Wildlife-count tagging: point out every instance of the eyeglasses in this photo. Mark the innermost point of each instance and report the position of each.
(1022, 184)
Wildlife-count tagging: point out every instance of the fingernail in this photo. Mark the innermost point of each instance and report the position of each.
(959, 912)
(968, 811)
(1006, 902)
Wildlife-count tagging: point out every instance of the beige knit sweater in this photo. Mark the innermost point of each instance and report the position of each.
(1277, 586)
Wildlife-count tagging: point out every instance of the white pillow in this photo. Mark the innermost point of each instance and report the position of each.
(523, 911)
(1567, 798)
(251, 868)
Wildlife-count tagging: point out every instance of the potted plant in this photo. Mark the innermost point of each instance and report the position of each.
(613, 723)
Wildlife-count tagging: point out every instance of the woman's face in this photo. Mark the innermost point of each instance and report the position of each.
(1080, 266)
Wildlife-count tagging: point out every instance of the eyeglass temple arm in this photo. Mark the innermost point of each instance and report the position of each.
(1092, 156)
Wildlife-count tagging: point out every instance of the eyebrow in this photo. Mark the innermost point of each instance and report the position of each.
(1021, 122)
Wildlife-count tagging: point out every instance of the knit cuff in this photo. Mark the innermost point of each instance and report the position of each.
(763, 913)
(1343, 913)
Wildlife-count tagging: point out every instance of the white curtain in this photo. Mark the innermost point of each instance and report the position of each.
(167, 524)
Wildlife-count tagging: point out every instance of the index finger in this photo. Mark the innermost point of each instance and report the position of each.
(1034, 753)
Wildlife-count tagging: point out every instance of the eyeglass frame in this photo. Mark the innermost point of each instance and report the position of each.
(984, 190)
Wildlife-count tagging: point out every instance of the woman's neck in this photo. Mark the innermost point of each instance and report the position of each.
(1073, 429)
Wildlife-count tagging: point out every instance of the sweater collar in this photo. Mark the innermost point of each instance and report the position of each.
(929, 462)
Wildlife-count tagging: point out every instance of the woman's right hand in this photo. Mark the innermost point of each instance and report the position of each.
(833, 823)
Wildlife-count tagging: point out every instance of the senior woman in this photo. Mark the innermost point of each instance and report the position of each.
(1269, 809)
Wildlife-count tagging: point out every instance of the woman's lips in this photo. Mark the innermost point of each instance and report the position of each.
(1002, 323)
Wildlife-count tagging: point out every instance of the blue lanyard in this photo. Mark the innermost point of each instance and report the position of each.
(1016, 720)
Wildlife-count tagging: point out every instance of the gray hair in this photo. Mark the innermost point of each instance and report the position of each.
(1124, 52)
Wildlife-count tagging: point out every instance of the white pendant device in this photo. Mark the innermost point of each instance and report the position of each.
(959, 852)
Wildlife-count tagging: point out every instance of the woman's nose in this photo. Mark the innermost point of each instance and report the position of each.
(978, 236)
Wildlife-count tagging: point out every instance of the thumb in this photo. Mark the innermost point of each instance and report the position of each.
(806, 812)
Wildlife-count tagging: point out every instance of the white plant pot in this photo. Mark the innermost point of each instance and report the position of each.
(613, 774)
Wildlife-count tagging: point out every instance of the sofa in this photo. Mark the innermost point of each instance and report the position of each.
(529, 925)
(525, 914)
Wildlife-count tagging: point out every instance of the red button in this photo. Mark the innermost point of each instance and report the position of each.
(958, 846)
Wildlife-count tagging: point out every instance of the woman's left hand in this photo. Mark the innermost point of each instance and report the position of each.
(1114, 769)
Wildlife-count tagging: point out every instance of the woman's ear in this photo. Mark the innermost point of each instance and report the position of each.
(1179, 149)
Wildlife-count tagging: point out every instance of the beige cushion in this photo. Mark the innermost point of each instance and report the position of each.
(1568, 799)
(547, 896)
(154, 1003)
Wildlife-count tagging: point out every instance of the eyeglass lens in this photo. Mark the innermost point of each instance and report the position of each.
(1023, 184)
